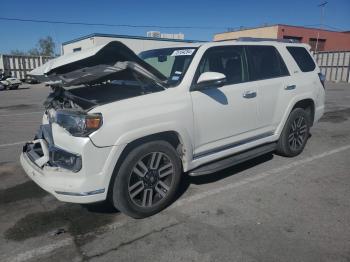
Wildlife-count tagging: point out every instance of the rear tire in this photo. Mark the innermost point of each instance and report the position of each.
(295, 133)
(147, 180)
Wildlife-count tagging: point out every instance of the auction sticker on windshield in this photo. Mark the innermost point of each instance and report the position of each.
(183, 52)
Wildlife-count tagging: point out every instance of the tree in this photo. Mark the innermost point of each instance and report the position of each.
(33, 52)
(44, 47)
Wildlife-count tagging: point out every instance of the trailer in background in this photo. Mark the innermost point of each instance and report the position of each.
(19, 66)
(335, 65)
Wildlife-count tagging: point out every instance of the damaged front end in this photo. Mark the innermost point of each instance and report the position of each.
(62, 158)
(80, 82)
(96, 76)
(43, 152)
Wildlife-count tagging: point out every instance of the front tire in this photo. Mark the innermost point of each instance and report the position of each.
(147, 180)
(295, 133)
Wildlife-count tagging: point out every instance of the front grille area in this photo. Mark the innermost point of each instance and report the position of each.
(45, 132)
(42, 151)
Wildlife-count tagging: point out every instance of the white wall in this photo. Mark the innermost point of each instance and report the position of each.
(137, 45)
(85, 43)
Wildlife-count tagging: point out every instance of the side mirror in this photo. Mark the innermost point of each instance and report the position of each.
(210, 80)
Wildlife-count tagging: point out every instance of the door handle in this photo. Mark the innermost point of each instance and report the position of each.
(290, 87)
(249, 94)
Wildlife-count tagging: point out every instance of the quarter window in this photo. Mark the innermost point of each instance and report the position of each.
(302, 58)
(77, 49)
(229, 61)
(265, 62)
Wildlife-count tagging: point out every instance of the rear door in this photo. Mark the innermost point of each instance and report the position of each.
(269, 72)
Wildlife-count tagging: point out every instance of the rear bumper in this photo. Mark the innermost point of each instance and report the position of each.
(318, 113)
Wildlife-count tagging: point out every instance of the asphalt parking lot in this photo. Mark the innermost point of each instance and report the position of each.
(268, 209)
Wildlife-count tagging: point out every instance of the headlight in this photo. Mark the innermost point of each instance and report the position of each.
(77, 123)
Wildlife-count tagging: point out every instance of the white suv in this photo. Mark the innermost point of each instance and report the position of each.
(126, 128)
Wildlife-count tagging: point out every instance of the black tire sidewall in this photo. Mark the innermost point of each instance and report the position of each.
(120, 195)
(283, 147)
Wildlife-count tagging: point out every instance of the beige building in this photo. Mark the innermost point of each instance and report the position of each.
(260, 32)
(320, 39)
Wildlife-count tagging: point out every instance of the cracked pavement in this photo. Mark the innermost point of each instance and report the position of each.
(268, 209)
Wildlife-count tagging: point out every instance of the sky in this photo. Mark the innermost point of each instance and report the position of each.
(219, 15)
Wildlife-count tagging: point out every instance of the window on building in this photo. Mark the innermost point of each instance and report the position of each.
(77, 49)
(320, 44)
(265, 62)
(302, 58)
(295, 38)
(228, 60)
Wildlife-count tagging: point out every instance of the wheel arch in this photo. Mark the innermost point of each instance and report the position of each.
(306, 102)
(170, 136)
(308, 105)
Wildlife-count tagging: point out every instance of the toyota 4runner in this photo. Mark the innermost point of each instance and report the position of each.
(125, 128)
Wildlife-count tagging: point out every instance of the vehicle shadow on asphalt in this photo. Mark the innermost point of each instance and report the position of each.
(107, 208)
(231, 171)
(80, 219)
(104, 207)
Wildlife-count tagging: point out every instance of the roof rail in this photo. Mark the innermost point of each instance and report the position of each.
(255, 39)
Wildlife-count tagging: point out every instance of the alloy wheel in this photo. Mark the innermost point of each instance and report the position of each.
(297, 133)
(150, 179)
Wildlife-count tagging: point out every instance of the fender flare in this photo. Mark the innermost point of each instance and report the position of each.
(152, 130)
(290, 108)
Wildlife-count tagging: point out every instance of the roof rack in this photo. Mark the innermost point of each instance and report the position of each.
(255, 39)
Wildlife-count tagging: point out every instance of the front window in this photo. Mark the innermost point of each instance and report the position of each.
(171, 62)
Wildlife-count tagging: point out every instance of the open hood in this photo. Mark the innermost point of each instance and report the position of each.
(96, 65)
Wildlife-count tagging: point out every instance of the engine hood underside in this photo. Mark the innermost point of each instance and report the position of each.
(96, 65)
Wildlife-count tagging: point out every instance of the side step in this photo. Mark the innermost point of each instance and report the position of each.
(233, 160)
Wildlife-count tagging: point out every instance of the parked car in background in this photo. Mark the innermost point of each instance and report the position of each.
(30, 80)
(125, 128)
(11, 83)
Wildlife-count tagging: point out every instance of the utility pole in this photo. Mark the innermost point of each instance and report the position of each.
(322, 5)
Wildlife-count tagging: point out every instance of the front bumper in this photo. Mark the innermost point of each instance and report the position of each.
(87, 185)
(45, 178)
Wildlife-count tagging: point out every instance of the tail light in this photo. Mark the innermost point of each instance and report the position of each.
(322, 79)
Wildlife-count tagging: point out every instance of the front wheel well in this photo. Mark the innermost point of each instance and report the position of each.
(171, 137)
(309, 106)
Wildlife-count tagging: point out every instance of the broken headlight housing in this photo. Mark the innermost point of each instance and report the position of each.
(64, 159)
(78, 123)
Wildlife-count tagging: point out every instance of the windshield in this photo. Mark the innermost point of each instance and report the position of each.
(171, 62)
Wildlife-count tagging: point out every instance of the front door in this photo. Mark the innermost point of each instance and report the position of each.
(228, 114)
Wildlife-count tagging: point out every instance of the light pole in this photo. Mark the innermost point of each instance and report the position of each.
(322, 18)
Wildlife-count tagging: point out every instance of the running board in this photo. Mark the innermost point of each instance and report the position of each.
(233, 160)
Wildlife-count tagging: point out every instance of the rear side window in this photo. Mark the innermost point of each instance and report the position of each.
(302, 58)
(265, 62)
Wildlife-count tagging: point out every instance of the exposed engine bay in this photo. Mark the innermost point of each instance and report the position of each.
(96, 76)
(83, 98)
